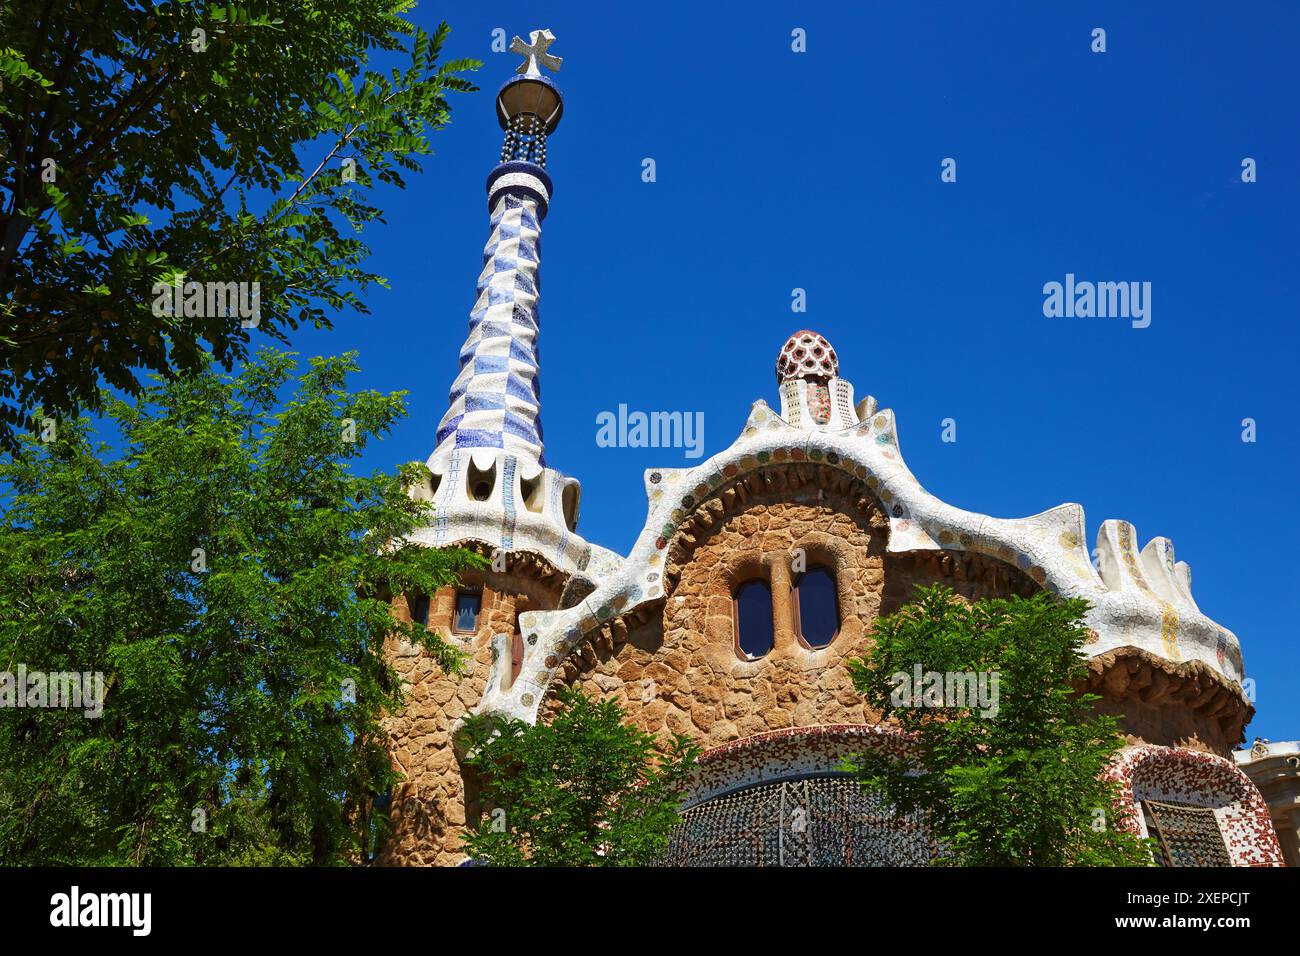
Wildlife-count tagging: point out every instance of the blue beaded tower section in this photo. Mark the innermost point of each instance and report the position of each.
(495, 401)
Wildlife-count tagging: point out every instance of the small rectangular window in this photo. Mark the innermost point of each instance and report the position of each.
(468, 604)
(420, 609)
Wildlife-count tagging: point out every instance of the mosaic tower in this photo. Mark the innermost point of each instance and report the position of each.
(490, 481)
(491, 489)
(495, 400)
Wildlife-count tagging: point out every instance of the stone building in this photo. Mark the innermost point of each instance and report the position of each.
(758, 574)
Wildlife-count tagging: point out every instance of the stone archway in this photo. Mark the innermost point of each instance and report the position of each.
(1187, 799)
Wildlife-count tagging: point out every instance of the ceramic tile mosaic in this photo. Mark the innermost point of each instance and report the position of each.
(780, 754)
(494, 401)
(1203, 780)
(491, 434)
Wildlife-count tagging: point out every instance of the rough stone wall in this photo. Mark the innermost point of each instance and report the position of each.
(680, 672)
(1185, 705)
(972, 576)
(430, 806)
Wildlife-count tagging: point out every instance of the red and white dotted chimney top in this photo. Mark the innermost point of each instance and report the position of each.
(807, 354)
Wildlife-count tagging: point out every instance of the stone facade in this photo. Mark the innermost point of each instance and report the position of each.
(680, 670)
(431, 805)
(1182, 705)
(675, 666)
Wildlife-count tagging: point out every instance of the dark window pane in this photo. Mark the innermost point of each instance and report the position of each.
(754, 618)
(420, 609)
(467, 607)
(819, 615)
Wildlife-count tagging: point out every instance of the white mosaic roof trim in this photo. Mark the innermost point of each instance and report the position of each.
(505, 520)
(1141, 597)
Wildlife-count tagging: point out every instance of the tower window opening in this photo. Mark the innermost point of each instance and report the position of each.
(481, 482)
(569, 500)
(516, 656)
(517, 646)
(531, 491)
(752, 606)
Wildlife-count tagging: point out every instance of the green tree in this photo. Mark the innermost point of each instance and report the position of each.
(158, 142)
(229, 574)
(585, 789)
(1017, 783)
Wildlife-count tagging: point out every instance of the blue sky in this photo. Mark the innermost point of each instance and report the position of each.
(821, 171)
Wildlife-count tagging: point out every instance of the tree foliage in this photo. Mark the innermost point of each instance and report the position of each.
(585, 789)
(229, 574)
(1018, 784)
(158, 142)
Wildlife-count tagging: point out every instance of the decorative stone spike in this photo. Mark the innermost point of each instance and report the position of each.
(1158, 569)
(1183, 571)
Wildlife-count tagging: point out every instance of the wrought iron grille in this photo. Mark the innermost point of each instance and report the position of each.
(1188, 835)
(815, 821)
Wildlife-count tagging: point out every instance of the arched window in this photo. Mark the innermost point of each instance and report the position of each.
(481, 483)
(1186, 834)
(816, 607)
(824, 820)
(753, 612)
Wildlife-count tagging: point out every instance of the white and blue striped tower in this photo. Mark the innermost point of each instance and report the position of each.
(490, 480)
(495, 400)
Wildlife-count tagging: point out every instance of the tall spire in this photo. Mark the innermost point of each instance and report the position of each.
(495, 401)
(488, 481)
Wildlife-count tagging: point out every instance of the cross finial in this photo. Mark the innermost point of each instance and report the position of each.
(536, 53)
